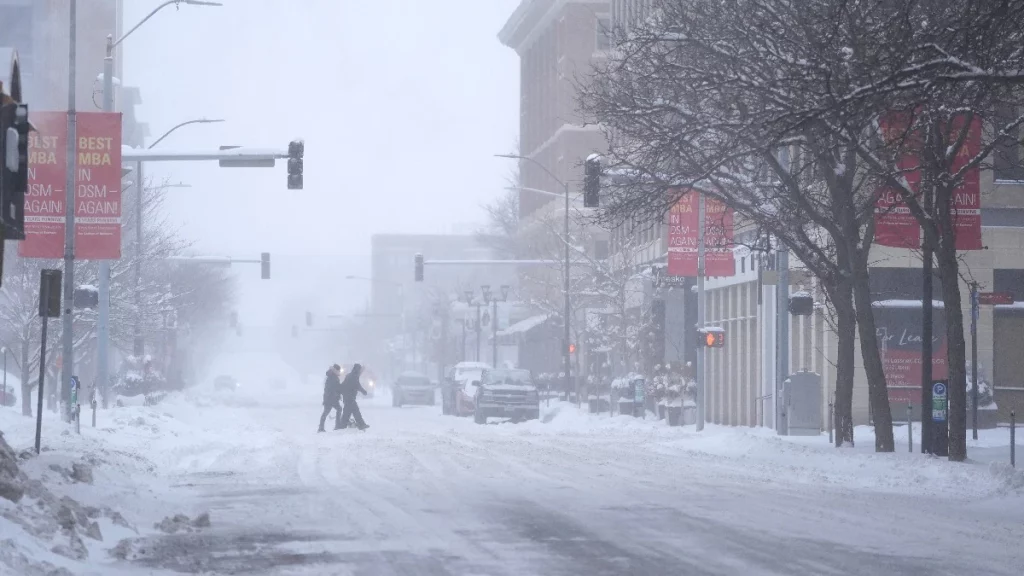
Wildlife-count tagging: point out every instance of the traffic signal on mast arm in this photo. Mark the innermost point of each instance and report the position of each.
(592, 181)
(265, 265)
(418, 264)
(712, 337)
(296, 150)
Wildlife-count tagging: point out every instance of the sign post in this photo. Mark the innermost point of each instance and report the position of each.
(974, 360)
(940, 418)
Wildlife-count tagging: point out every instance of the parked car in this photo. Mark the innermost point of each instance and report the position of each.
(458, 392)
(506, 393)
(412, 388)
(225, 382)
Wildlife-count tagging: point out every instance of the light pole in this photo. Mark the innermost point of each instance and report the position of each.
(565, 267)
(494, 324)
(139, 344)
(103, 323)
(3, 397)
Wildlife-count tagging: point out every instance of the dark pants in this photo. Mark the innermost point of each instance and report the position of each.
(337, 414)
(351, 410)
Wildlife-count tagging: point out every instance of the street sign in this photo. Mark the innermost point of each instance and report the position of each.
(995, 298)
(939, 402)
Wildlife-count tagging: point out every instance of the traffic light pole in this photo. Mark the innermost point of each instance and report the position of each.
(68, 337)
(702, 350)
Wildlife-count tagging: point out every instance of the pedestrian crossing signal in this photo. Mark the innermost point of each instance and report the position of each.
(711, 338)
(572, 348)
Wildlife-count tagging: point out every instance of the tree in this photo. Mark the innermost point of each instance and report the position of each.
(685, 110)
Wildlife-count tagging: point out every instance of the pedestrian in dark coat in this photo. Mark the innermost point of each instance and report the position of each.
(350, 387)
(332, 395)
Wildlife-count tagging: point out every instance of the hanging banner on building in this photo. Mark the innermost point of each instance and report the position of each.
(44, 199)
(718, 237)
(894, 224)
(967, 196)
(97, 187)
(683, 236)
(898, 325)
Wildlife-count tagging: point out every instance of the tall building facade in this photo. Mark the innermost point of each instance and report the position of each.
(39, 30)
(742, 388)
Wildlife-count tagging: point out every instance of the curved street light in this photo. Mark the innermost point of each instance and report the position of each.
(196, 121)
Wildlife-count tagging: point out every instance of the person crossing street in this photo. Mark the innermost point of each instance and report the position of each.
(350, 387)
(332, 394)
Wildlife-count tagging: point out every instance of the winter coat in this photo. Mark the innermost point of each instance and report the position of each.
(351, 386)
(332, 389)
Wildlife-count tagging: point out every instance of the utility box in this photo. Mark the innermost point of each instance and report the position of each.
(801, 396)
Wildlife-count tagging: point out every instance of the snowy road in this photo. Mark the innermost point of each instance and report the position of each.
(423, 494)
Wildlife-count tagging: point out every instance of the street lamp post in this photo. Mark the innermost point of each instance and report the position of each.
(139, 344)
(494, 325)
(3, 397)
(565, 269)
(103, 323)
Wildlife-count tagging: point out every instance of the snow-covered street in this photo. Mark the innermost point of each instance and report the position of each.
(421, 493)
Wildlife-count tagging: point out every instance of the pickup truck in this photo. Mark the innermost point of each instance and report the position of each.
(506, 393)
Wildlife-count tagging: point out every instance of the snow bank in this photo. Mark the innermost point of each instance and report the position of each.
(83, 494)
(767, 457)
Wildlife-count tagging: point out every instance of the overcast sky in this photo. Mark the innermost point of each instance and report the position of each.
(402, 104)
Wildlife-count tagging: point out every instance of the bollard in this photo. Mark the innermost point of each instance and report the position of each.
(1013, 439)
(910, 427)
(830, 411)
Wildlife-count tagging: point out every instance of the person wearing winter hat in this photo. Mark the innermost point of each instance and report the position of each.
(350, 387)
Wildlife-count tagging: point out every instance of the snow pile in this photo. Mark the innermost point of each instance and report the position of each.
(769, 458)
(71, 509)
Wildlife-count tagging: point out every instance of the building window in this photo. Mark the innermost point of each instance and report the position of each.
(604, 33)
(1007, 164)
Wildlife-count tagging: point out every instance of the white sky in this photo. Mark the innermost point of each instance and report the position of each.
(402, 104)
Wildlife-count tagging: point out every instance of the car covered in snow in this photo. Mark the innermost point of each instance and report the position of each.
(458, 392)
(226, 383)
(506, 393)
(412, 388)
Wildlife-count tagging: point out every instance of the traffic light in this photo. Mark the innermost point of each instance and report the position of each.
(309, 318)
(14, 128)
(86, 297)
(572, 348)
(592, 181)
(418, 259)
(265, 265)
(296, 149)
(801, 304)
(710, 338)
(49, 293)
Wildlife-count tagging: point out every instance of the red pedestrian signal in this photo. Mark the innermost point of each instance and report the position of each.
(711, 338)
(572, 348)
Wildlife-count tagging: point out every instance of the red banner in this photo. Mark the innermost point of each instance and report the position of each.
(44, 199)
(718, 235)
(98, 187)
(894, 224)
(683, 235)
(967, 196)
